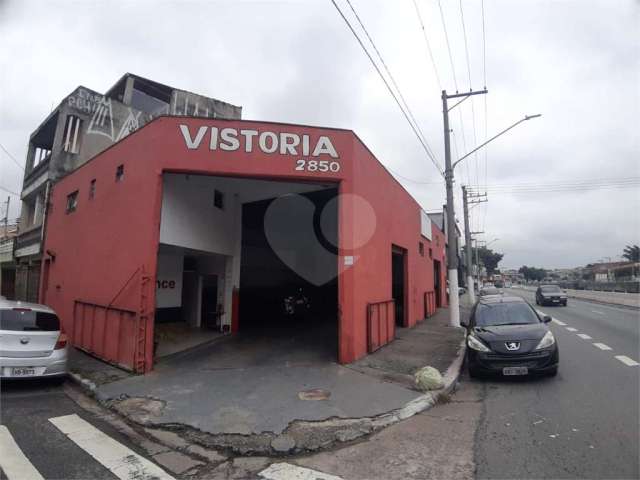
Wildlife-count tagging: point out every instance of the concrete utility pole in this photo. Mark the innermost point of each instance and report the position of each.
(479, 198)
(6, 218)
(467, 246)
(452, 238)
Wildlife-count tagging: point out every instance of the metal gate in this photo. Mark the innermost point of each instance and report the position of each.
(381, 324)
(114, 334)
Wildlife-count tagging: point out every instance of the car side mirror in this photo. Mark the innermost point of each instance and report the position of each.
(546, 319)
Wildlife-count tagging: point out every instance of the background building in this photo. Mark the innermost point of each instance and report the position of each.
(84, 124)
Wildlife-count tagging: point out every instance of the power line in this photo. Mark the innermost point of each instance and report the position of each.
(446, 36)
(558, 187)
(9, 191)
(11, 157)
(413, 127)
(486, 114)
(562, 190)
(393, 80)
(426, 39)
(587, 181)
(466, 46)
(411, 180)
(484, 47)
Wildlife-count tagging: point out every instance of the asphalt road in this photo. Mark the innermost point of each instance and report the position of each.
(25, 410)
(584, 423)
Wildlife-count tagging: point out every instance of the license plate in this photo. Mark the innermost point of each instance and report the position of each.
(515, 371)
(555, 300)
(23, 372)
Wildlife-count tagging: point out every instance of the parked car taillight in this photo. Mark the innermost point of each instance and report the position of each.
(62, 342)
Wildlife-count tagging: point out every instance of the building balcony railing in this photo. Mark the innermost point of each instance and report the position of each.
(29, 237)
(36, 171)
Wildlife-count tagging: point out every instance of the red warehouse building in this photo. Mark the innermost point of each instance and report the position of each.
(191, 228)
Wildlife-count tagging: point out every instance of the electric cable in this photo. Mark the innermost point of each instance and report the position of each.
(11, 157)
(424, 146)
(393, 81)
(426, 39)
(446, 36)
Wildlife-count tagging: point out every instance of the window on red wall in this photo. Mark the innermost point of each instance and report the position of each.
(421, 248)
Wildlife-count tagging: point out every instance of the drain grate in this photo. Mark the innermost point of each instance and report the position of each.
(314, 394)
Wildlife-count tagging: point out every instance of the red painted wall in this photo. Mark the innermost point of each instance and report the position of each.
(100, 245)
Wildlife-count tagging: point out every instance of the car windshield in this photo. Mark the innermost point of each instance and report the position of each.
(490, 291)
(550, 289)
(28, 321)
(504, 314)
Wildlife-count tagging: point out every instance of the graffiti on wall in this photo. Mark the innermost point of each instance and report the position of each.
(102, 120)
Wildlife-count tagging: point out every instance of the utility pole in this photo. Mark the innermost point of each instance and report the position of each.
(467, 245)
(473, 234)
(6, 218)
(475, 198)
(452, 237)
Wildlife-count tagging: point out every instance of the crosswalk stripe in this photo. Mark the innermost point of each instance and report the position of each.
(627, 361)
(12, 461)
(584, 336)
(602, 346)
(287, 471)
(558, 322)
(123, 462)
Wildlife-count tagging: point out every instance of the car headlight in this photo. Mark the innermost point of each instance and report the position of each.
(476, 344)
(546, 341)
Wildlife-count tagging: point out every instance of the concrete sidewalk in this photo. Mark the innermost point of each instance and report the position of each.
(272, 398)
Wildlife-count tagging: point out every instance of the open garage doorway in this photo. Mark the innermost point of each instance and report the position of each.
(288, 276)
(248, 256)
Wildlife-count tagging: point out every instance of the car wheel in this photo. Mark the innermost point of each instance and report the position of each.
(554, 372)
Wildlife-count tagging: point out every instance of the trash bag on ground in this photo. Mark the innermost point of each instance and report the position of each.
(428, 378)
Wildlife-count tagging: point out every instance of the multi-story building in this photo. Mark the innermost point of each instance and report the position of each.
(84, 124)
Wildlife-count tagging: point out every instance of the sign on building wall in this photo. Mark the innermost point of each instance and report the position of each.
(169, 280)
(425, 224)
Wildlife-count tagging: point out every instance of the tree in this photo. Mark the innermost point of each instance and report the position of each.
(631, 253)
(533, 273)
(488, 258)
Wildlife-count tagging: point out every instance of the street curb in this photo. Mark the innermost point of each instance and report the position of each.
(89, 387)
(609, 304)
(301, 436)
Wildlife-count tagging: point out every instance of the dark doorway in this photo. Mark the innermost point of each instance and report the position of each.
(436, 283)
(209, 302)
(8, 283)
(398, 275)
(276, 301)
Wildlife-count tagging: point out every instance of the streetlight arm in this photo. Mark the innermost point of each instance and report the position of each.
(527, 117)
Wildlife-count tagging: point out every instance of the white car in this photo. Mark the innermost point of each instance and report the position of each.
(31, 341)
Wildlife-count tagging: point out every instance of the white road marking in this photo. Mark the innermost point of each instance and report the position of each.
(558, 322)
(571, 329)
(627, 361)
(602, 346)
(598, 312)
(287, 471)
(123, 462)
(14, 463)
(584, 336)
